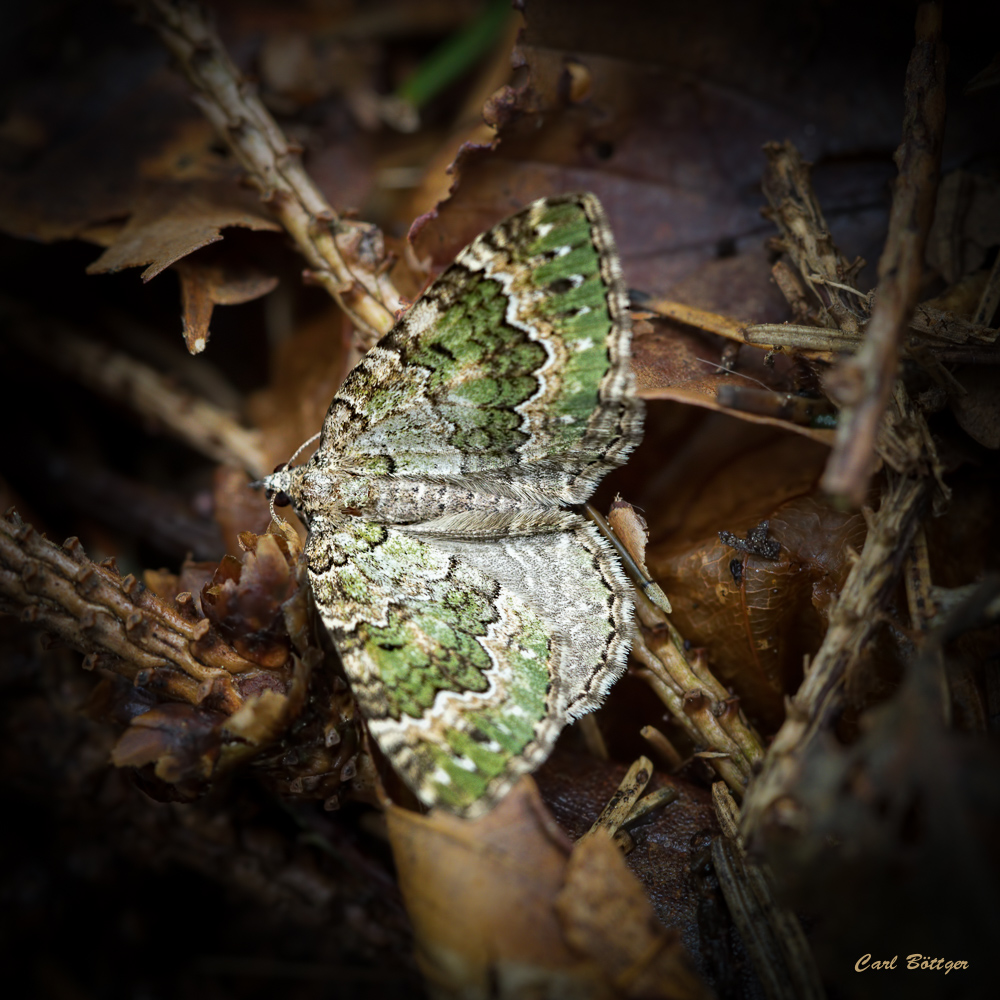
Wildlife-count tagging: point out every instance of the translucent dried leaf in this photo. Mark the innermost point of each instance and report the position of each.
(757, 617)
(679, 364)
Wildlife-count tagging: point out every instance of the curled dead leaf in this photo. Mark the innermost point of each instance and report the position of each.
(244, 601)
(605, 914)
(207, 284)
(677, 363)
(169, 221)
(181, 741)
(757, 617)
(462, 881)
(978, 409)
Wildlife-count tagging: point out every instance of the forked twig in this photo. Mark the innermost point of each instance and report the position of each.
(345, 258)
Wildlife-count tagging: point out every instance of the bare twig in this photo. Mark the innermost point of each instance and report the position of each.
(801, 338)
(772, 934)
(864, 383)
(700, 704)
(853, 621)
(116, 621)
(940, 328)
(687, 687)
(628, 804)
(207, 428)
(822, 269)
(621, 804)
(663, 746)
(235, 707)
(346, 259)
(700, 319)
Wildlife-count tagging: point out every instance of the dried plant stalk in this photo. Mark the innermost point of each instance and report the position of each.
(903, 439)
(339, 253)
(206, 428)
(115, 620)
(805, 237)
(863, 384)
(853, 621)
(772, 934)
(696, 699)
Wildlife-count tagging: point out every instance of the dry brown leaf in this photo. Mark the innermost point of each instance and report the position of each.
(605, 914)
(169, 221)
(483, 900)
(182, 742)
(757, 617)
(978, 409)
(680, 364)
(237, 507)
(306, 371)
(675, 160)
(966, 221)
(261, 718)
(191, 579)
(706, 470)
(576, 788)
(244, 601)
(462, 881)
(79, 178)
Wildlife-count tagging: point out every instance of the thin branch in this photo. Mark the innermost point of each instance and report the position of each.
(805, 237)
(700, 704)
(117, 622)
(801, 338)
(206, 428)
(700, 319)
(696, 699)
(853, 621)
(345, 258)
(864, 383)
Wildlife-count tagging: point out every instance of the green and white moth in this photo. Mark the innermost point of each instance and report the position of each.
(475, 609)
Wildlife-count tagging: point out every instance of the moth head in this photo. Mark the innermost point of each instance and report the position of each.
(280, 481)
(289, 485)
(308, 487)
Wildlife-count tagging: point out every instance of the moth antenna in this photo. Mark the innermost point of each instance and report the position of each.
(270, 506)
(298, 451)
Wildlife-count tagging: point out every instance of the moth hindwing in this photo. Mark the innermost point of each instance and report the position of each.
(476, 612)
